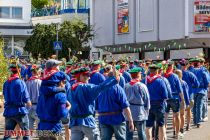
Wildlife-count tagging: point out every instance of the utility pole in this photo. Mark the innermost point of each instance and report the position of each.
(57, 29)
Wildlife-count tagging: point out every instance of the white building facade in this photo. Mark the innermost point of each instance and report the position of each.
(15, 25)
(151, 28)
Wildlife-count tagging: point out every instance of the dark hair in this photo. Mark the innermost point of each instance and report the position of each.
(14, 71)
(134, 75)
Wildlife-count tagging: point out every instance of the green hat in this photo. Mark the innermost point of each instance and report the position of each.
(14, 66)
(135, 70)
(62, 68)
(194, 60)
(81, 70)
(160, 65)
(69, 63)
(154, 66)
(117, 67)
(73, 71)
(97, 62)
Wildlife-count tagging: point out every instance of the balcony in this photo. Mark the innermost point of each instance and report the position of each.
(56, 11)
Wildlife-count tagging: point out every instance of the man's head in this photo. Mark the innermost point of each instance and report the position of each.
(135, 73)
(153, 69)
(184, 63)
(82, 74)
(170, 64)
(96, 65)
(179, 73)
(14, 68)
(34, 69)
(195, 62)
(52, 63)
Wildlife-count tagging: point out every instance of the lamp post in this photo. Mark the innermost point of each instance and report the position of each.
(57, 30)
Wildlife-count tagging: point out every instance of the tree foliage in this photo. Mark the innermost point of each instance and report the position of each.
(3, 65)
(39, 3)
(74, 35)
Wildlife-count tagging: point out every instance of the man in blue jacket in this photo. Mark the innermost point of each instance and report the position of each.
(200, 92)
(82, 99)
(17, 100)
(96, 77)
(111, 104)
(52, 103)
(177, 93)
(158, 98)
(192, 82)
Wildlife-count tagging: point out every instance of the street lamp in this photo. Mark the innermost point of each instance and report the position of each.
(57, 30)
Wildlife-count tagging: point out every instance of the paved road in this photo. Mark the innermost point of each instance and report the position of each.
(194, 134)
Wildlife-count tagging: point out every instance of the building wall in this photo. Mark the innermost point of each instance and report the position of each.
(171, 19)
(25, 4)
(149, 20)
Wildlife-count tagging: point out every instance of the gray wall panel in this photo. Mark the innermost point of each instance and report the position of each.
(172, 19)
(146, 24)
(103, 22)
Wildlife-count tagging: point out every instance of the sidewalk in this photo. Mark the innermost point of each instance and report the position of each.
(201, 133)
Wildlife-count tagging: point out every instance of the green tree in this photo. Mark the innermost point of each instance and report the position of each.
(75, 35)
(39, 3)
(3, 65)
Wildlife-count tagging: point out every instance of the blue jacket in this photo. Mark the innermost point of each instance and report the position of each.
(168, 86)
(202, 77)
(15, 96)
(191, 81)
(157, 95)
(127, 76)
(96, 78)
(186, 92)
(138, 97)
(51, 105)
(176, 86)
(112, 99)
(82, 100)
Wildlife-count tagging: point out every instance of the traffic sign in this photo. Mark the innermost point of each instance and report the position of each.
(57, 45)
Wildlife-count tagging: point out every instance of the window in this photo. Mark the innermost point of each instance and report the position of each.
(4, 12)
(82, 4)
(17, 12)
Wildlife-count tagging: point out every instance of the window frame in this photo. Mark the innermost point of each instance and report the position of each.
(12, 12)
(9, 12)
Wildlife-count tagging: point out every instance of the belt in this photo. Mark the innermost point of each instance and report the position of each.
(81, 116)
(49, 121)
(34, 103)
(13, 105)
(156, 102)
(136, 104)
(109, 113)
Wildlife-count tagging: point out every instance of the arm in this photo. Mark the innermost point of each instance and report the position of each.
(63, 106)
(146, 98)
(26, 97)
(194, 80)
(127, 113)
(179, 88)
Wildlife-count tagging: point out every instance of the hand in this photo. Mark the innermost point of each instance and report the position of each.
(131, 126)
(68, 105)
(29, 104)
